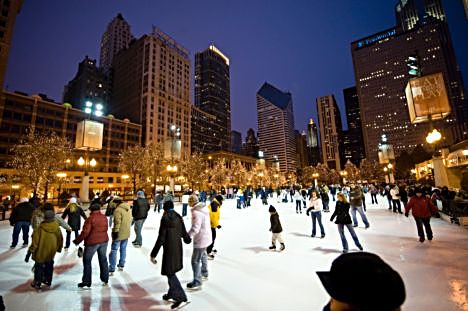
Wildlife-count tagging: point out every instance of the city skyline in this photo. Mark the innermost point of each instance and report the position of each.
(288, 64)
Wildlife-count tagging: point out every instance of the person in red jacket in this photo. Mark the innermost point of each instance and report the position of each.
(95, 238)
(422, 211)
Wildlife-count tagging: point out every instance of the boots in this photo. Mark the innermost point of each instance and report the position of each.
(272, 247)
(282, 247)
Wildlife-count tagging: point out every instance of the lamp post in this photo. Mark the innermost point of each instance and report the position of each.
(61, 177)
(343, 175)
(315, 176)
(172, 170)
(86, 163)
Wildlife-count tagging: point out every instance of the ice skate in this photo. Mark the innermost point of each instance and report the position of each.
(282, 247)
(194, 285)
(272, 247)
(179, 304)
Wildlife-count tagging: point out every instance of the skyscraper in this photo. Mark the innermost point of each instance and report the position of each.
(353, 143)
(330, 131)
(302, 159)
(201, 131)
(9, 11)
(465, 5)
(410, 13)
(313, 147)
(276, 126)
(250, 147)
(212, 93)
(151, 86)
(116, 37)
(236, 142)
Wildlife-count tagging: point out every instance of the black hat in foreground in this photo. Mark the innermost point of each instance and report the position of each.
(365, 281)
(272, 209)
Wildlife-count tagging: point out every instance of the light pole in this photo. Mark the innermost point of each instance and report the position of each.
(315, 176)
(343, 175)
(172, 170)
(124, 182)
(61, 177)
(86, 163)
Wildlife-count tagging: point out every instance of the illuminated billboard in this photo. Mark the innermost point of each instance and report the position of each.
(427, 97)
(386, 153)
(89, 135)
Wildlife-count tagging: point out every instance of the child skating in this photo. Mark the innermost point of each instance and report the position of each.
(275, 229)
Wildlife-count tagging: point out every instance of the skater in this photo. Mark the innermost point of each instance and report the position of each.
(375, 285)
(276, 229)
(214, 209)
(325, 199)
(298, 198)
(171, 231)
(74, 212)
(38, 217)
(110, 209)
(356, 206)
(46, 241)
(422, 211)
(395, 194)
(120, 234)
(20, 219)
(344, 220)
(184, 200)
(315, 209)
(158, 202)
(373, 192)
(264, 197)
(95, 238)
(140, 213)
(200, 234)
(333, 192)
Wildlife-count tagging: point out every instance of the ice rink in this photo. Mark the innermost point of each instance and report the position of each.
(247, 276)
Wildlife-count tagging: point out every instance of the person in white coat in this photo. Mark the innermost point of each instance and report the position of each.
(200, 233)
(298, 198)
(315, 208)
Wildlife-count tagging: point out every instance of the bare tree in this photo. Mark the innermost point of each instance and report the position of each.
(131, 161)
(218, 174)
(153, 162)
(195, 170)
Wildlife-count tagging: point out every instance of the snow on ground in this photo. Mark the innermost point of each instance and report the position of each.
(247, 276)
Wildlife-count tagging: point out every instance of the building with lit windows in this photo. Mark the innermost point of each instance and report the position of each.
(465, 4)
(213, 94)
(410, 13)
(330, 131)
(276, 126)
(236, 142)
(353, 144)
(302, 159)
(201, 131)
(250, 146)
(151, 86)
(313, 146)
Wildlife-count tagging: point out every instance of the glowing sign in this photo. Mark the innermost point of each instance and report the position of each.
(376, 38)
(214, 49)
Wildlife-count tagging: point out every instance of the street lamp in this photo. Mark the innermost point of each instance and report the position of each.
(61, 176)
(433, 137)
(172, 170)
(94, 109)
(343, 175)
(315, 176)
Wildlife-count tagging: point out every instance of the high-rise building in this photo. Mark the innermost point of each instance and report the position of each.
(116, 38)
(330, 131)
(250, 147)
(151, 86)
(9, 11)
(353, 143)
(410, 13)
(89, 84)
(276, 126)
(302, 159)
(465, 4)
(313, 147)
(201, 131)
(212, 92)
(381, 84)
(236, 142)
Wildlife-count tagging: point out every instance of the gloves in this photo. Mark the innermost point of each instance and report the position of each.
(115, 236)
(307, 213)
(153, 260)
(187, 240)
(219, 227)
(80, 252)
(74, 242)
(406, 214)
(28, 255)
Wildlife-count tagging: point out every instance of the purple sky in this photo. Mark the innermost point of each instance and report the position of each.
(299, 46)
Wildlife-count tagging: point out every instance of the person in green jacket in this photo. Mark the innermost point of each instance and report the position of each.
(46, 241)
(120, 233)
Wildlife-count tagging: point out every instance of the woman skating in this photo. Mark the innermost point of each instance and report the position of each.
(74, 212)
(315, 208)
(343, 219)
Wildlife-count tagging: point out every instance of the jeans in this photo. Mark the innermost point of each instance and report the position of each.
(43, 272)
(176, 291)
(67, 241)
(110, 221)
(355, 208)
(209, 249)
(374, 198)
(396, 206)
(275, 237)
(419, 225)
(317, 216)
(138, 226)
(103, 266)
(199, 264)
(298, 206)
(116, 244)
(184, 209)
(353, 235)
(21, 226)
(325, 205)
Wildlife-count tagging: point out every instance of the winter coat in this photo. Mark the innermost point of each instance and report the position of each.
(355, 197)
(171, 231)
(167, 197)
(315, 205)
(122, 221)
(74, 218)
(185, 198)
(94, 230)
(403, 195)
(324, 196)
(297, 196)
(214, 208)
(46, 241)
(422, 207)
(341, 213)
(275, 223)
(395, 193)
(200, 231)
(140, 209)
(22, 212)
(38, 218)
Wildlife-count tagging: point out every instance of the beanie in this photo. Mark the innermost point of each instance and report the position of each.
(272, 209)
(49, 215)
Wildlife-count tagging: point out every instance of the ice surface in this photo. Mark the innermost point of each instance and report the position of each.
(247, 276)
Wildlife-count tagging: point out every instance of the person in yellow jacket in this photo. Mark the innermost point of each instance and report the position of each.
(120, 233)
(214, 207)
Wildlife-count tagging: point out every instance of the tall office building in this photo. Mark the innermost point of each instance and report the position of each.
(236, 142)
(330, 131)
(302, 159)
(201, 131)
(381, 84)
(465, 5)
(353, 143)
(9, 11)
(410, 13)
(116, 38)
(213, 94)
(313, 147)
(89, 84)
(276, 126)
(151, 86)
(250, 147)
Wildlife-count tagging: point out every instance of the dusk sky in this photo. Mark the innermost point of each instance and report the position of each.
(298, 46)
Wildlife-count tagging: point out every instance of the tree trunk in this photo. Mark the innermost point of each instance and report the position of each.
(45, 191)
(134, 184)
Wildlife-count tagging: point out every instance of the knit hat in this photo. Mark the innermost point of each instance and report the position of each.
(73, 200)
(168, 205)
(117, 199)
(219, 198)
(271, 209)
(193, 199)
(95, 207)
(140, 194)
(49, 215)
(375, 285)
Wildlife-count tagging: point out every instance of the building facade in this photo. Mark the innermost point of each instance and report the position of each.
(302, 159)
(250, 146)
(381, 85)
(89, 84)
(330, 131)
(116, 38)
(353, 143)
(213, 94)
(201, 131)
(313, 145)
(276, 126)
(151, 86)
(236, 142)
(411, 13)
